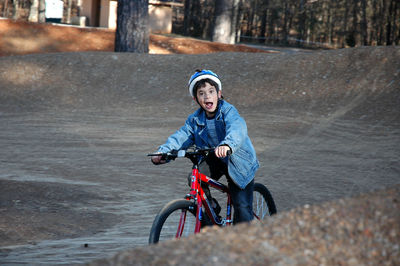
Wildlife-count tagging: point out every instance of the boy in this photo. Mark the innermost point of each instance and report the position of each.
(218, 124)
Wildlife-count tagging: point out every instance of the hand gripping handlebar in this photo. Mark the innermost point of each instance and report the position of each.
(172, 155)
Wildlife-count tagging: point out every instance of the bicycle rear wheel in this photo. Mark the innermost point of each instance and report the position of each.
(176, 219)
(263, 203)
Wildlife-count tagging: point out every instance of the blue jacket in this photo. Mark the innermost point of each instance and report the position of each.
(231, 130)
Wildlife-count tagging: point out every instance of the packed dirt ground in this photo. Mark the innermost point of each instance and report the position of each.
(75, 182)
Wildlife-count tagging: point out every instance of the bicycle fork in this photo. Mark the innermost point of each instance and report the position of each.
(194, 194)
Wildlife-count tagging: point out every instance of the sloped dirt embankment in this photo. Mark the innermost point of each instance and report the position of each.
(325, 126)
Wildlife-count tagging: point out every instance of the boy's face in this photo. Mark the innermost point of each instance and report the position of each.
(207, 98)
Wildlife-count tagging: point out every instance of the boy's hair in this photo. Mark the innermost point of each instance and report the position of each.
(201, 83)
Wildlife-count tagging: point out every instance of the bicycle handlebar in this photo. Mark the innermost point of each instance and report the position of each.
(172, 155)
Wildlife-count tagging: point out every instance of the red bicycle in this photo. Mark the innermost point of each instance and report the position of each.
(183, 217)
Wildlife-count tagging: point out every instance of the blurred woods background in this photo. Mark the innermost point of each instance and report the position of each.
(332, 23)
(305, 23)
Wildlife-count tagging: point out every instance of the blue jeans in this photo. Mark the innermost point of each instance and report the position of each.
(242, 199)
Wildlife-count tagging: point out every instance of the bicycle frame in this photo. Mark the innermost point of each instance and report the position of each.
(197, 203)
(197, 194)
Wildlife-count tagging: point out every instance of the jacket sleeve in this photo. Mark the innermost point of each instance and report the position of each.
(235, 129)
(181, 139)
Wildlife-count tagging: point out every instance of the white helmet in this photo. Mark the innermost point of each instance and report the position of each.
(200, 75)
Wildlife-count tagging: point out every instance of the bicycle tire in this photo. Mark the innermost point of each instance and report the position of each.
(263, 203)
(166, 223)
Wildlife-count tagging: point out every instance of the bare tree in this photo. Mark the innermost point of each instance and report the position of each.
(364, 24)
(187, 17)
(285, 30)
(42, 10)
(301, 32)
(67, 11)
(16, 9)
(34, 11)
(223, 22)
(132, 34)
(37, 11)
(5, 8)
(390, 23)
(236, 18)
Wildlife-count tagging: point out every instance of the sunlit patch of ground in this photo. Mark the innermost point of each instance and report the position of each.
(19, 37)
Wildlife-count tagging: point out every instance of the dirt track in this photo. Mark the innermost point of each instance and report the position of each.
(76, 128)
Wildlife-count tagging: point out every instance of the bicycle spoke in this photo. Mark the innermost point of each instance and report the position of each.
(260, 206)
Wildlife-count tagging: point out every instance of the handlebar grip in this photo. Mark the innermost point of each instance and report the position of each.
(166, 156)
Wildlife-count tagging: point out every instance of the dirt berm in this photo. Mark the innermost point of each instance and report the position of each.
(76, 128)
(359, 231)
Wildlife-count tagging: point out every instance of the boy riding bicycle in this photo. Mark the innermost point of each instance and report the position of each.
(218, 124)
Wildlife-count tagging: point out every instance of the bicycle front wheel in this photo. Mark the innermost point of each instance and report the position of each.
(177, 219)
(263, 203)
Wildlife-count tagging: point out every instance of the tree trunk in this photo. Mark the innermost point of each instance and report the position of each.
(364, 25)
(329, 25)
(42, 10)
(250, 19)
(301, 29)
(353, 38)
(345, 23)
(5, 9)
(389, 39)
(192, 18)
(34, 11)
(263, 25)
(195, 18)
(69, 10)
(238, 22)
(271, 25)
(186, 19)
(223, 22)
(381, 19)
(285, 23)
(234, 22)
(16, 9)
(132, 34)
(395, 26)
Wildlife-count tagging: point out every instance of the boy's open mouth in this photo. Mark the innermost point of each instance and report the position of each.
(209, 105)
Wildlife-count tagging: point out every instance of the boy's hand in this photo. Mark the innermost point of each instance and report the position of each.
(157, 160)
(222, 151)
